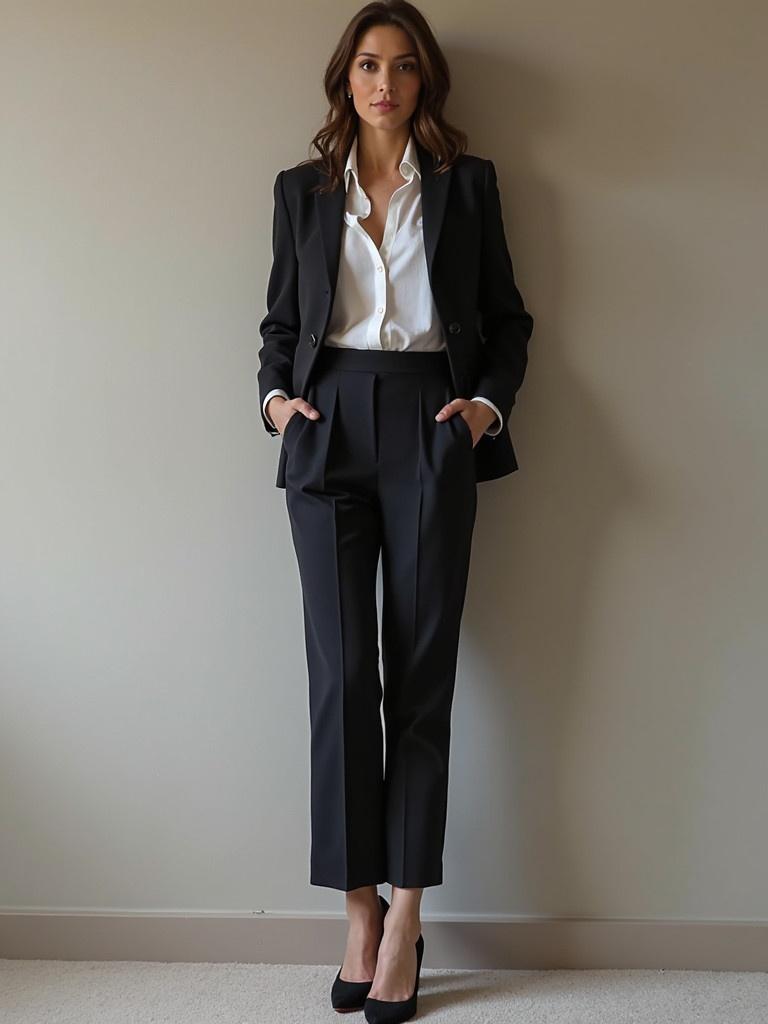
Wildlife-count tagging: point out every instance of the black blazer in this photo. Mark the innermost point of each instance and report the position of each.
(486, 326)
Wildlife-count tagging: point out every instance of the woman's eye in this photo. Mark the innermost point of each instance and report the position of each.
(411, 67)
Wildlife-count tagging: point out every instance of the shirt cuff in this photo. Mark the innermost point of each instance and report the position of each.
(486, 401)
(271, 394)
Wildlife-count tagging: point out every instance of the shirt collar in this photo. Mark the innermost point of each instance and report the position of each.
(409, 165)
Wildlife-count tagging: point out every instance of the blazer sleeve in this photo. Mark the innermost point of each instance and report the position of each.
(281, 326)
(505, 324)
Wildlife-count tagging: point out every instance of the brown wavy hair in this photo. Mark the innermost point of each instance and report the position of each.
(334, 139)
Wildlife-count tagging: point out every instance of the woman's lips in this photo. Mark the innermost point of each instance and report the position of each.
(385, 106)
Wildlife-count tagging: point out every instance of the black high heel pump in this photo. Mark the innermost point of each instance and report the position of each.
(387, 1011)
(347, 996)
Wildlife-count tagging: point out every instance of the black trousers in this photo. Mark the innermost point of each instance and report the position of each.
(378, 476)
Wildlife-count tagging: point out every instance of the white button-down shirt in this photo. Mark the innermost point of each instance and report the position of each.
(383, 298)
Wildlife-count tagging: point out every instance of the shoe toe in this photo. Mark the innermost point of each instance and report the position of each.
(349, 995)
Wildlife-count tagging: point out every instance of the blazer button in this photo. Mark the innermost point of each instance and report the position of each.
(454, 328)
(313, 340)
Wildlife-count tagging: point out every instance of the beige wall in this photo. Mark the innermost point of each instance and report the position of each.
(609, 753)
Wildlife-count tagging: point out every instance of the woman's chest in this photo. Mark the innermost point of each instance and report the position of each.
(382, 209)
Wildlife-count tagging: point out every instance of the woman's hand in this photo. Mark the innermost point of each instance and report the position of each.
(477, 415)
(280, 410)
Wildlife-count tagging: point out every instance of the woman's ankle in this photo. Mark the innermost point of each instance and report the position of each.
(363, 906)
(403, 928)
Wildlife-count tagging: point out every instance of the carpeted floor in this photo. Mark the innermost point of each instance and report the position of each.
(95, 992)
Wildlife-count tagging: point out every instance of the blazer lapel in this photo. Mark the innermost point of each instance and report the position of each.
(434, 196)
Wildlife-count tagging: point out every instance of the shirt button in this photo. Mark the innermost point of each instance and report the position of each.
(379, 268)
(381, 309)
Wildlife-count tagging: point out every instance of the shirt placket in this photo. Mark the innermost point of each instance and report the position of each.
(380, 258)
(390, 232)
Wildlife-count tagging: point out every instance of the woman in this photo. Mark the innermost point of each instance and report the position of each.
(394, 344)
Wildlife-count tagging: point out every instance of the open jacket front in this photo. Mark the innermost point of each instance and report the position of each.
(487, 328)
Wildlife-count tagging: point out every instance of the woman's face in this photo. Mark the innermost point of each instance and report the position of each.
(385, 67)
